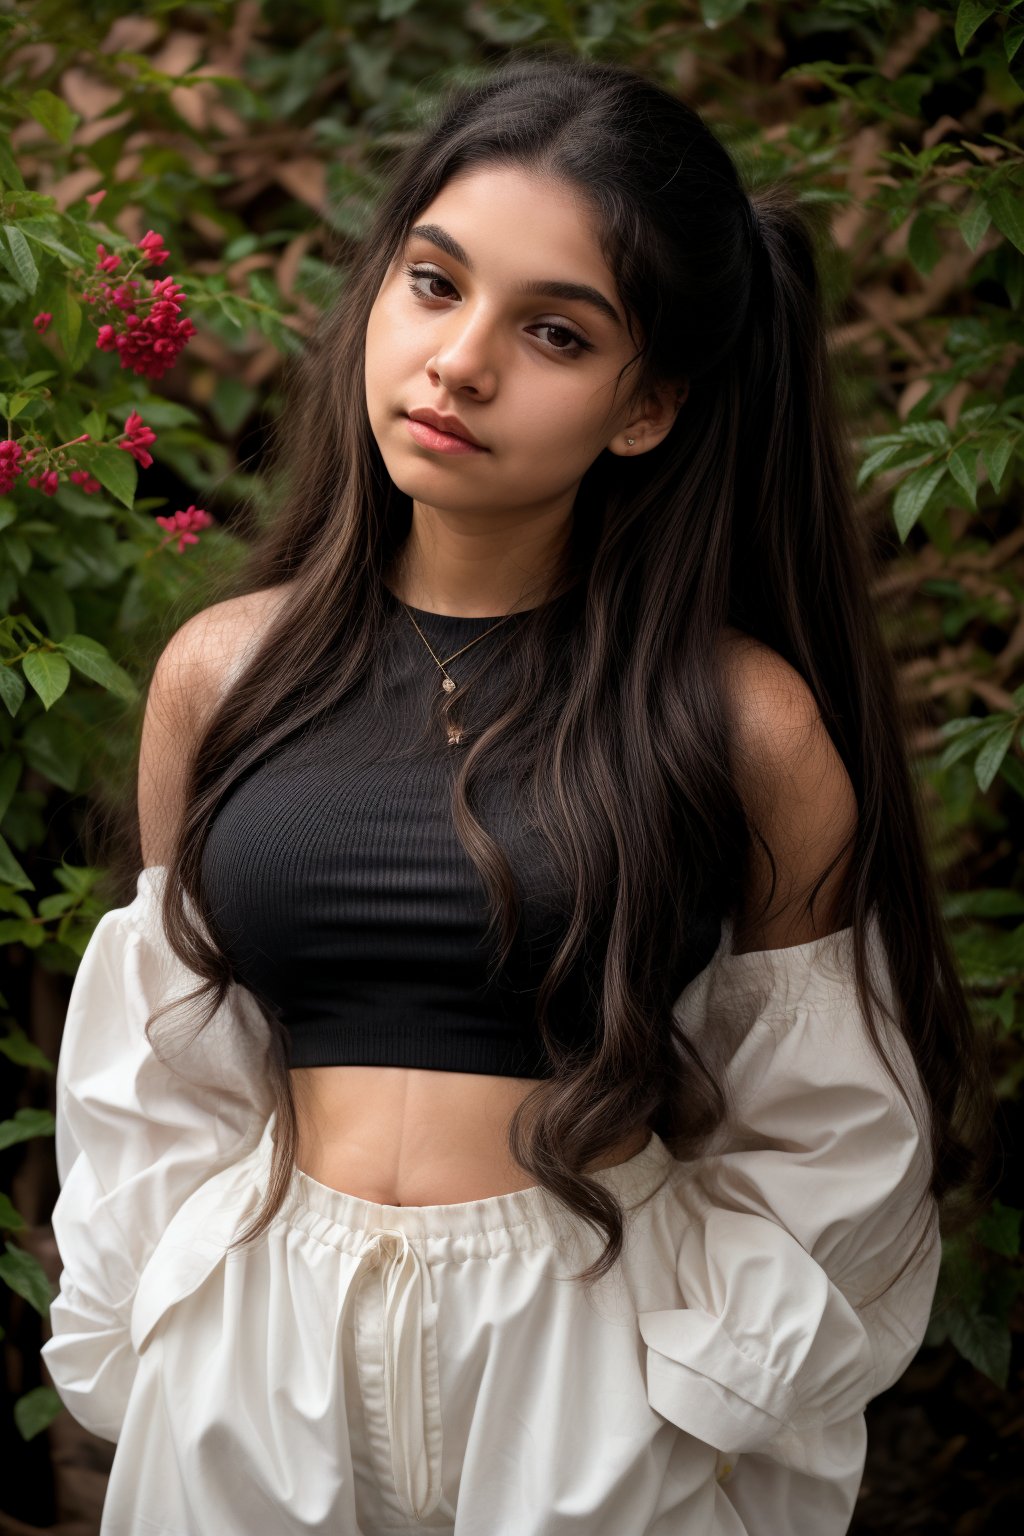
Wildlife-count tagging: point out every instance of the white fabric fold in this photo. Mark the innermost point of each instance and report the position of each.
(136, 1137)
(799, 1209)
(410, 1368)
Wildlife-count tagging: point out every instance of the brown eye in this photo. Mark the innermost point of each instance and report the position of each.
(417, 275)
(569, 344)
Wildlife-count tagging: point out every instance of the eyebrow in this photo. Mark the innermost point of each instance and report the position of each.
(549, 288)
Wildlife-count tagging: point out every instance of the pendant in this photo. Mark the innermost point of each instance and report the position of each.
(448, 685)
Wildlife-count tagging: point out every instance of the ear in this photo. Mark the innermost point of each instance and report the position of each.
(652, 420)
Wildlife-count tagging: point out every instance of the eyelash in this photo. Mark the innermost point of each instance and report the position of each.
(580, 344)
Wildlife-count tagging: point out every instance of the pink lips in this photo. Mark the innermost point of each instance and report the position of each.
(441, 442)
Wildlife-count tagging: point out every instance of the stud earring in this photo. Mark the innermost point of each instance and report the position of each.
(631, 441)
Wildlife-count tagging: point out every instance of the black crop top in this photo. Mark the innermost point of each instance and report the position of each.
(338, 887)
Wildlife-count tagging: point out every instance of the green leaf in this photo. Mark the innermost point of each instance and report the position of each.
(11, 1220)
(11, 687)
(999, 1229)
(934, 434)
(922, 243)
(25, 1124)
(1012, 39)
(24, 266)
(17, 552)
(10, 775)
(997, 453)
(53, 114)
(716, 12)
(995, 902)
(35, 1410)
(67, 318)
(41, 232)
(48, 673)
(79, 879)
(984, 1341)
(17, 930)
(963, 464)
(986, 764)
(51, 602)
(17, 1047)
(877, 460)
(94, 661)
(117, 471)
(52, 746)
(1007, 215)
(26, 1277)
(962, 746)
(969, 16)
(11, 872)
(974, 223)
(10, 176)
(913, 495)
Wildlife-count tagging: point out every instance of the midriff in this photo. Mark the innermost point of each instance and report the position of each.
(404, 1136)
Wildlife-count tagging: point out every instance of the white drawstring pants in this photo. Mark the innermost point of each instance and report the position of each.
(365, 1369)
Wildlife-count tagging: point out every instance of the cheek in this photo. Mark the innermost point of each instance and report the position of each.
(387, 340)
(376, 350)
(563, 418)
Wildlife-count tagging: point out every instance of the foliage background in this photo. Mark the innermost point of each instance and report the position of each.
(251, 136)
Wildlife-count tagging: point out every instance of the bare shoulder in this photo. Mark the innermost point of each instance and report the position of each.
(208, 651)
(192, 674)
(769, 706)
(795, 789)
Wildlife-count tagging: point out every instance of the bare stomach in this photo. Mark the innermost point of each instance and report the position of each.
(403, 1136)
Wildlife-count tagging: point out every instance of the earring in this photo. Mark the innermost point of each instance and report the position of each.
(631, 441)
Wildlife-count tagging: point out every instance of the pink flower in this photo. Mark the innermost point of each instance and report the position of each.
(47, 482)
(83, 478)
(153, 245)
(105, 263)
(10, 469)
(122, 296)
(138, 437)
(186, 525)
(95, 198)
(150, 344)
(41, 321)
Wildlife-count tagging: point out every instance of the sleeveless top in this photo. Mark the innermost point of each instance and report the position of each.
(338, 888)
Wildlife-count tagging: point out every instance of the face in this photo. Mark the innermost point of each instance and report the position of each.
(460, 328)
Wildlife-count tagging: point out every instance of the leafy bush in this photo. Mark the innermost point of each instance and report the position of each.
(251, 141)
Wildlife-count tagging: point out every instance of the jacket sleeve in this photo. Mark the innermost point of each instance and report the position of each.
(800, 1207)
(138, 1131)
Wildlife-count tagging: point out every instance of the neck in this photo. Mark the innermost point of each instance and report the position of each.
(445, 570)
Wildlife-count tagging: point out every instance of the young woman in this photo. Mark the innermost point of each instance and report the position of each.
(561, 1147)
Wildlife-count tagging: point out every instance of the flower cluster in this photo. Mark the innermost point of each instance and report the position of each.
(137, 438)
(10, 468)
(147, 333)
(185, 525)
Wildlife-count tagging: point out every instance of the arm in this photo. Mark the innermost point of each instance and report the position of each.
(137, 1134)
(802, 1205)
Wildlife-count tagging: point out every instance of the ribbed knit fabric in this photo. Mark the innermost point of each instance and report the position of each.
(340, 891)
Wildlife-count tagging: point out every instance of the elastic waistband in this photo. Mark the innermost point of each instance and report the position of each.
(523, 1218)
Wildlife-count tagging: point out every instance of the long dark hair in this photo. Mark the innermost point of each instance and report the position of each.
(742, 516)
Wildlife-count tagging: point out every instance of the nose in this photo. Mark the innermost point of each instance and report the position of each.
(465, 362)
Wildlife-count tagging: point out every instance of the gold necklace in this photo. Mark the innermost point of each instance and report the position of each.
(454, 733)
